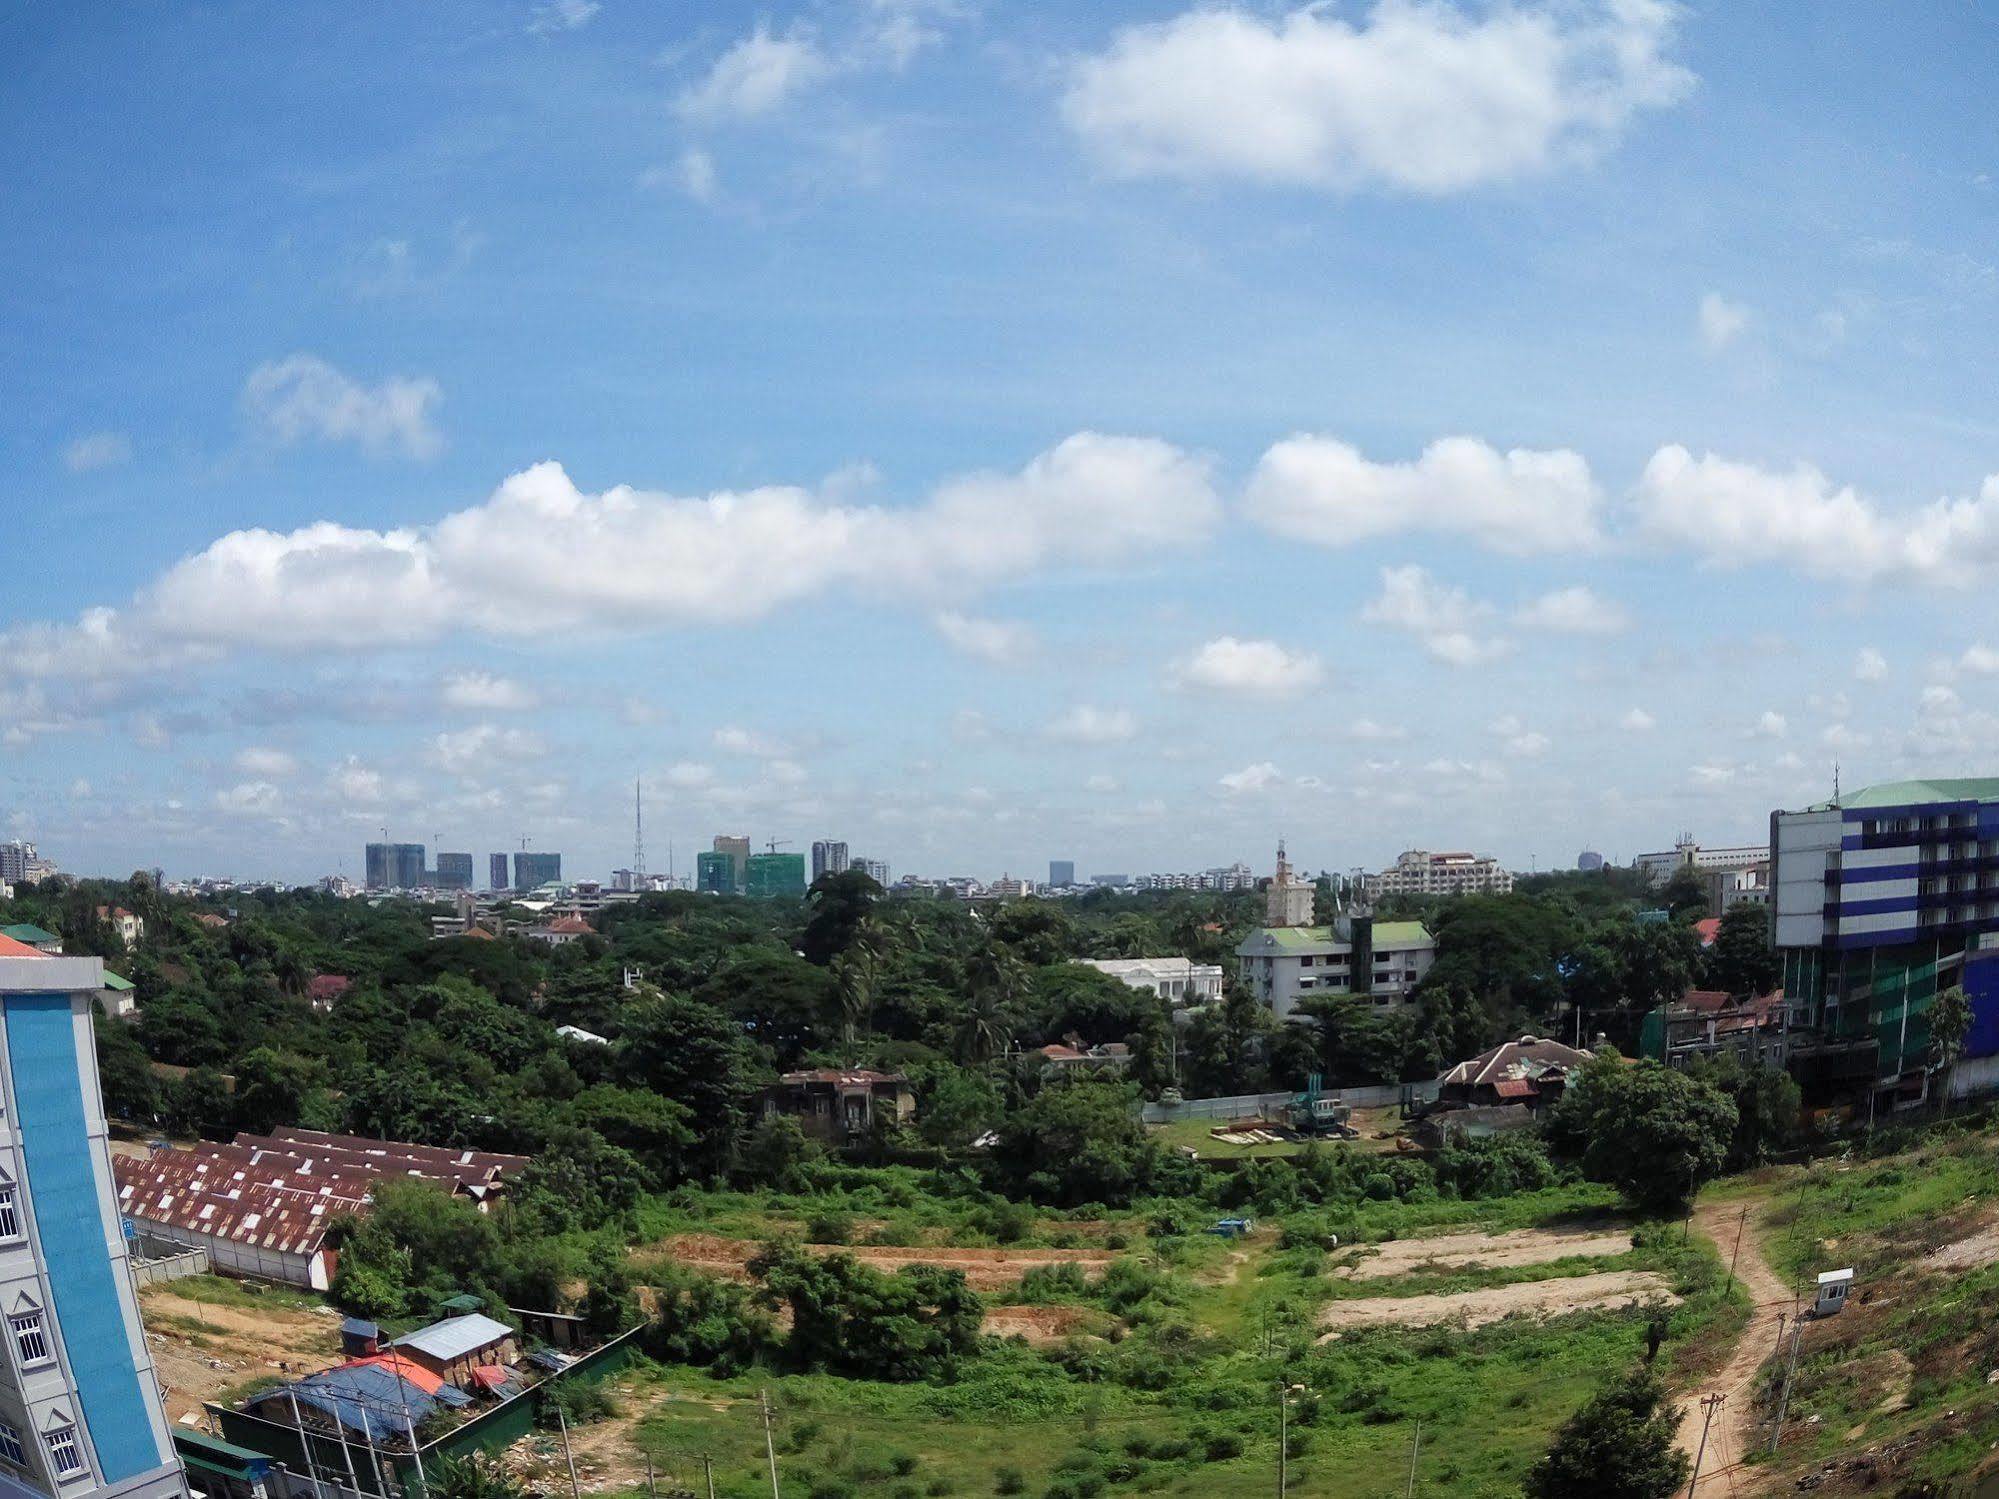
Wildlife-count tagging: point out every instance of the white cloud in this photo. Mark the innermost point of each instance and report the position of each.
(689, 774)
(1869, 665)
(1257, 668)
(1731, 514)
(480, 747)
(733, 739)
(79, 789)
(1638, 721)
(694, 174)
(1449, 622)
(1323, 490)
(1517, 739)
(1367, 731)
(1419, 97)
(1722, 322)
(303, 397)
(562, 15)
(1574, 611)
(1084, 724)
(250, 799)
(1772, 725)
(1712, 775)
(95, 450)
(482, 692)
(755, 77)
(1257, 777)
(260, 760)
(1101, 784)
(1002, 642)
(1980, 660)
(629, 560)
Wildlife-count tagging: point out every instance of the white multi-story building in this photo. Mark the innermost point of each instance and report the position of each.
(874, 869)
(1687, 854)
(1180, 981)
(80, 1411)
(1419, 872)
(1380, 962)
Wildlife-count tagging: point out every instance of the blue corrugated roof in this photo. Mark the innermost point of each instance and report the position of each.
(365, 1398)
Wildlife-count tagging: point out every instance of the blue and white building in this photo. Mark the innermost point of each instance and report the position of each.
(1881, 900)
(80, 1409)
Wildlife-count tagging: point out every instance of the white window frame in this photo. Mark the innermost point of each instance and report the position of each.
(26, 1326)
(62, 1443)
(10, 1210)
(11, 1450)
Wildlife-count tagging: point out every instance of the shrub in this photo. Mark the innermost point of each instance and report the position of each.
(1009, 1480)
(829, 1227)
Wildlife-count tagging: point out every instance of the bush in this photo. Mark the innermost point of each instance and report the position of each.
(828, 1227)
(1009, 1480)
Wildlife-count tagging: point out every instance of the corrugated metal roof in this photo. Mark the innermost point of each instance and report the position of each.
(456, 1337)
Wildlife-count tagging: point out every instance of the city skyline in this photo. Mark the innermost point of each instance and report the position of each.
(933, 424)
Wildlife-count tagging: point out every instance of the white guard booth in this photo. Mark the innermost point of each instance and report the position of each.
(1833, 1286)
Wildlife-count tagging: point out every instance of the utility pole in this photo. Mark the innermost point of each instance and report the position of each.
(1709, 1404)
(708, 1472)
(652, 1489)
(562, 1423)
(1784, 1400)
(1283, 1439)
(770, 1448)
(1740, 1224)
(1415, 1446)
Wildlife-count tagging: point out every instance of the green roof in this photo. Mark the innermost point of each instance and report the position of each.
(217, 1456)
(1386, 934)
(1907, 793)
(29, 933)
(115, 983)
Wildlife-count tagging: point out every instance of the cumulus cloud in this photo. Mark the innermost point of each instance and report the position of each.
(1722, 322)
(1002, 642)
(1771, 725)
(1085, 724)
(1731, 514)
(689, 774)
(1574, 611)
(464, 750)
(250, 799)
(1257, 777)
(1517, 739)
(1979, 659)
(95, 450)
(1420, 96)
(733, 739)
(755, 77)
(482, 692)
(1323, 490)
(628, 559)
(1869, 665)
(1450, 623)
(261, 760)
(303, 398)
(1369, 731)
(694, 174)
(1638, 721)
(1257, 668)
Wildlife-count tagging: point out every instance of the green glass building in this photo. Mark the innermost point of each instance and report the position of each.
(776, 875)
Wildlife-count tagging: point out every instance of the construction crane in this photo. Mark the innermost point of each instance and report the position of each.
(772, 845)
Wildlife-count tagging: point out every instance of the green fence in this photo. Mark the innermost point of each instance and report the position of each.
(332, 1460)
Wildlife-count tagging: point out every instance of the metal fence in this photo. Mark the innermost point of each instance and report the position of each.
(333, 1458)
(1250, 1105)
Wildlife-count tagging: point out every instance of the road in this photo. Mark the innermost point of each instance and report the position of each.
(1735, 1430)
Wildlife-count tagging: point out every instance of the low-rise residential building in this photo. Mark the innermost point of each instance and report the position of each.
(1713, 1023)
(1381, 962)
(130, 929)
(29, 935)
(453, 1348)
(561, 932)
(1532, 1072)
(1419, 872)
(118, 997)
(840, 1105)
(1181, 982)
(325, 990)
(1063, 1059)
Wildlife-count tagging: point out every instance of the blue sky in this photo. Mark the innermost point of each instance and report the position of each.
(988, 433)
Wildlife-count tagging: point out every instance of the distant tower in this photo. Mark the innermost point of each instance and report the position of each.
(638, 834)
(1289, 899)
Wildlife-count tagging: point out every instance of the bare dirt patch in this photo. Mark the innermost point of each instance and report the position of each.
(1481, 1251)
(1739, 1238)
(1980, 1248)
(1044, 1324)
(1534, 1298)
(202, 1351)
(985, 1269)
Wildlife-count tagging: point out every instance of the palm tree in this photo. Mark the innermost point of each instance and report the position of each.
(994, 978)
(856, 972)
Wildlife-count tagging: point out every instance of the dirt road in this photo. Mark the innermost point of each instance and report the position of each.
(1734, 1431)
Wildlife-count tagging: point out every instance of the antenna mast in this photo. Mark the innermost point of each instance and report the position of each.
(638, 831)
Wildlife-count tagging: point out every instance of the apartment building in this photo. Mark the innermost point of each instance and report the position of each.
(1380, 962)
(80, 1410)
(1419, 872)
